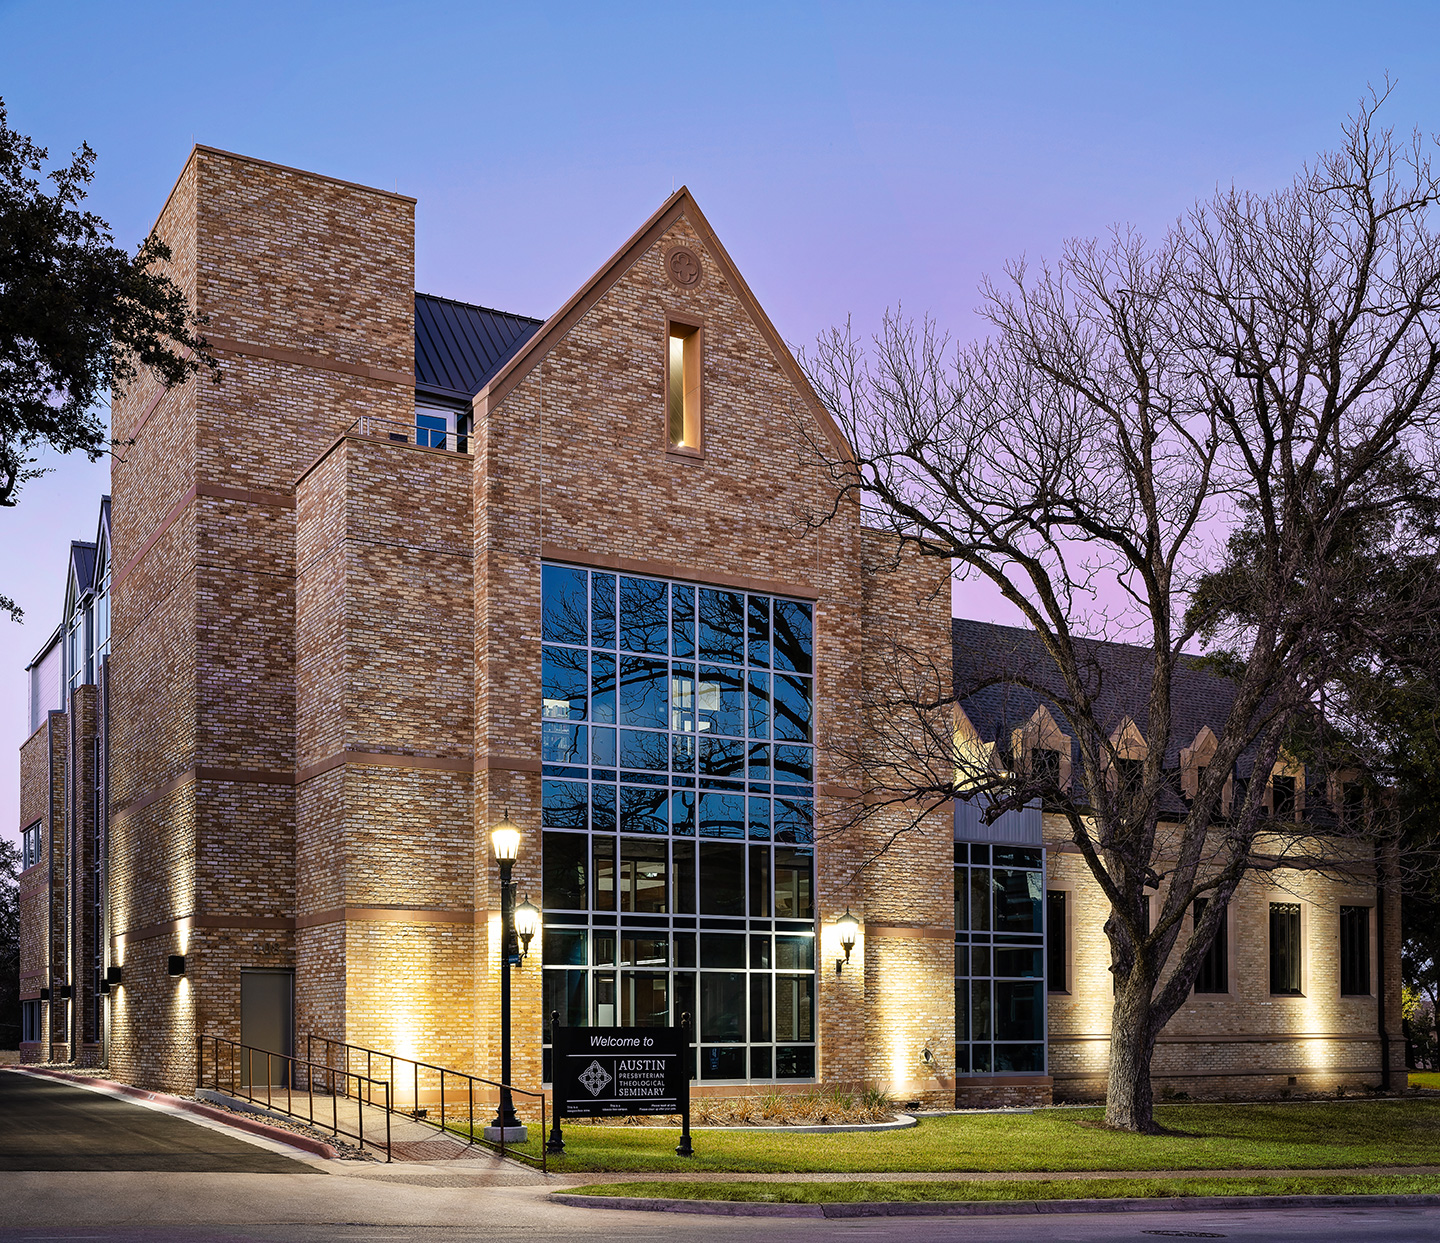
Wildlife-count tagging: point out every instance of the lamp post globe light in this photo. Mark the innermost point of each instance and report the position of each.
(527, 924)
(505, 841)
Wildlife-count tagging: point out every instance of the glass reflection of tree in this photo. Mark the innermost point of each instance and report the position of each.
(644, 616)
(722, 626)
(566, 618)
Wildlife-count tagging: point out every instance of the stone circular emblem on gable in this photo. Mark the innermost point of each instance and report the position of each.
(682, 266)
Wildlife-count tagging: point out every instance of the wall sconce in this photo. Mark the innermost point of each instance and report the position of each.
(112, 976)
(849, 929)
(66, 992)
(176, 965)
(44, 994)
(527, 924)
(928, 1057)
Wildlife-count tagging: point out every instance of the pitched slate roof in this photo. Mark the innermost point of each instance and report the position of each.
(459, 347)
(990, 662)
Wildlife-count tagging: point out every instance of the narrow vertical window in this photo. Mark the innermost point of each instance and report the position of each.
(1282, 797)
(1355, 951)
(1285, 948)
(1214, 973)
(1045, 769)
(1353, 804)
(683, 386)
(1056, 947)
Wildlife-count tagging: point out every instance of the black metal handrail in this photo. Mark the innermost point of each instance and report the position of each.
(246, 1055)
(439, 1073)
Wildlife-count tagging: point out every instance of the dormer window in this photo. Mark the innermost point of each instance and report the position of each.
(1283, 797)
(682, 375)
(439, 427)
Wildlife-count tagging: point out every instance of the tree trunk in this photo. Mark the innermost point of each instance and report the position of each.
(1130, 1098)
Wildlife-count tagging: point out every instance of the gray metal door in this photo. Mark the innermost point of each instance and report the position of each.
(267, 1023)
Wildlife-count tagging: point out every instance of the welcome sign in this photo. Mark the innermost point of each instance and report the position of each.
(609, 1071)
(606, 1072)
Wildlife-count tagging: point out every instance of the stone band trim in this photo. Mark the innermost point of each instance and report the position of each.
(911, 931)
(1002, 1081)
(314, 362)
(390, 915)
(1247, 1072)
(188, 923)
(374, 759)
(280, 500)
(154, 796)
(379, 759)
(668, 569)
(1221, 1038)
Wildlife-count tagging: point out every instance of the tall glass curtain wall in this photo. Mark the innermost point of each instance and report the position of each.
(999, 960)
(677, 728)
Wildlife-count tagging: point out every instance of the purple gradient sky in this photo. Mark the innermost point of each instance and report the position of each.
(851, 156)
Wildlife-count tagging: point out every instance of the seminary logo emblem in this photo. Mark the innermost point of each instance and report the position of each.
(594, 1077)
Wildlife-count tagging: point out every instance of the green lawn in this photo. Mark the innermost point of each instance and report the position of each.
(1425, 1079)
(1286, 1136)
(1040, 1189)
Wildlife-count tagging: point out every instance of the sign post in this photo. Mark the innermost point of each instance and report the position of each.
(608, 1072)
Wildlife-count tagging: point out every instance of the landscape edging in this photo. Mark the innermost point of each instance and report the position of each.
(987, 1208)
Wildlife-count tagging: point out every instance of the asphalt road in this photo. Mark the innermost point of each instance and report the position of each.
(77, 1165)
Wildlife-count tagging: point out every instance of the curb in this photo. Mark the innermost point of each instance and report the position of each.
(900, 1123)
(279, 1135)
(988, 1208)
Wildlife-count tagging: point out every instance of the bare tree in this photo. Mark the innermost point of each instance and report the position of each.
(1169, 444)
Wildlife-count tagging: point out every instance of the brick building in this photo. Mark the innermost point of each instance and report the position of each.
(417, 567)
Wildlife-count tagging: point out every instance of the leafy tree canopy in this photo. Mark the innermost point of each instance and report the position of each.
(79, 315)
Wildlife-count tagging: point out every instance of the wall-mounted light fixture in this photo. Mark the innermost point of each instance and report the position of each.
(44, 994)
(527, 924)
(66, 992)
(849, 929)
(928, 1057)
(112, 976)
(176, 965)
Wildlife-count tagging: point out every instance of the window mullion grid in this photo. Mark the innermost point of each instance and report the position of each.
(678, 666)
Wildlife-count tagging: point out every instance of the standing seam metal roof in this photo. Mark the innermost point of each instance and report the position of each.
(459, 347)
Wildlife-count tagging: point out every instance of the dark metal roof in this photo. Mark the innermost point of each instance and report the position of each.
(82, 557)
(459, 347)
(993, 664)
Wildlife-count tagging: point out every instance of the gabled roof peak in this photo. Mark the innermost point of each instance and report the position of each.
(680, 204)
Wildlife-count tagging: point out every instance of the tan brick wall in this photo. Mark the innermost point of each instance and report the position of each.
(1242, 1043)
(904, 860)
(42, 769)
(308, 286)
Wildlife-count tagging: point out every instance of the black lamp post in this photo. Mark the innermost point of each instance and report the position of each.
(505, 840)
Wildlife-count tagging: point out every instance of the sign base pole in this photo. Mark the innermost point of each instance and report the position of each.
(683, 1148)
